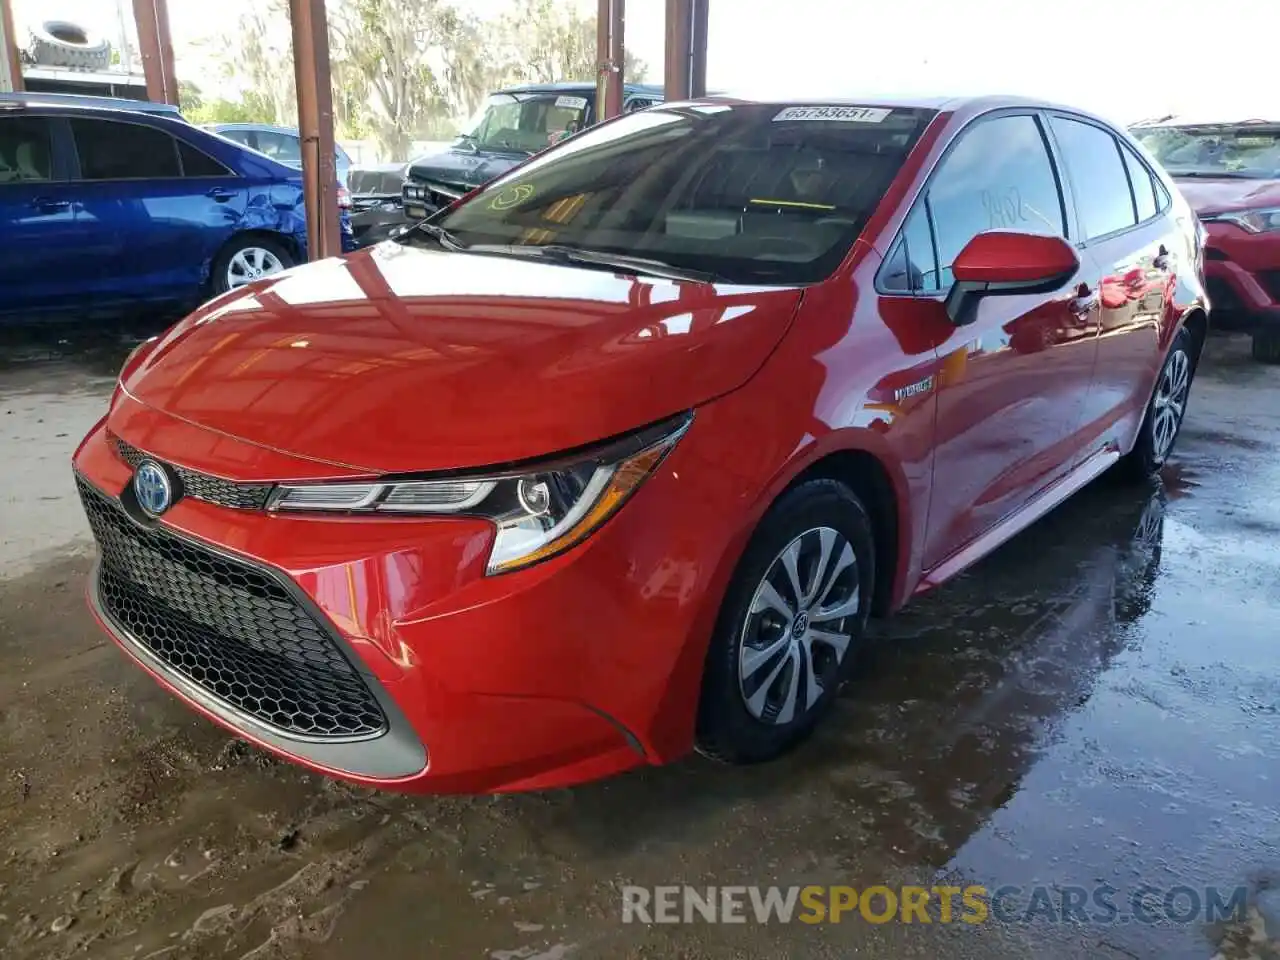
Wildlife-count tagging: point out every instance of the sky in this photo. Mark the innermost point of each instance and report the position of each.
(1124, 59)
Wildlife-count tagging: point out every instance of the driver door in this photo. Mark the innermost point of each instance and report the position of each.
(1012, 384)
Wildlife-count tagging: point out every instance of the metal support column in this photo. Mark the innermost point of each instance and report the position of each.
(10, 62)
(156, 49)
(315, 126)
(685, 68)
(610, 54)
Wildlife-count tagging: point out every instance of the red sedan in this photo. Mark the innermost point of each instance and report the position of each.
(616, 456)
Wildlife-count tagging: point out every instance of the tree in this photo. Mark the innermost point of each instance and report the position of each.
(548, 41)
(258, 55)
(401, 52)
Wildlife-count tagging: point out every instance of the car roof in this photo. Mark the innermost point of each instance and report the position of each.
(270, 127)
(577, 86)
(18, 100)
(974, 103)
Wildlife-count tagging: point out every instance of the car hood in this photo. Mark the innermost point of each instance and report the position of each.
(462, 168)
(1208, 196)
(401, 359)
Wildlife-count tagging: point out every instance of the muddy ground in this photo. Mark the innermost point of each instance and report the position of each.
(1097, 703)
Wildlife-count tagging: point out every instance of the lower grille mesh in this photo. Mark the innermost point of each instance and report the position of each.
(229, 627)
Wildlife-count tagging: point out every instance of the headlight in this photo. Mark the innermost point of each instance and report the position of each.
(1255, 221)
(539, 511)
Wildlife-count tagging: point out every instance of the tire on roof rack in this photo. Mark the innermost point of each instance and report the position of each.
(62, 43)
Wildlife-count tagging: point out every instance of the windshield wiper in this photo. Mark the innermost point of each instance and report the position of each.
(1215, 174)
(441, 235)
(641, 266)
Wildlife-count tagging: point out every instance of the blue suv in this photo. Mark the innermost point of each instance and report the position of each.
(102, 209)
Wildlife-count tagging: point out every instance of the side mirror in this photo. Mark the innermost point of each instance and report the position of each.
(1004, 262)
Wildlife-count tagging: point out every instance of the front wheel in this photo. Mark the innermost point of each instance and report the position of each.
(1165, 411)
(792, 620)
(246, 259)
(1266, 345)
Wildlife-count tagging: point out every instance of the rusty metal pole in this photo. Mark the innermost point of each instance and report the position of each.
(610, 54)
(155, 46)
(685, 66)
(315, 126)
(10, 61)
(675, 74)
(698, 51)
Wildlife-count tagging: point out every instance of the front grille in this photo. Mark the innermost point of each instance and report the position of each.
(229, 627)
(201, 486)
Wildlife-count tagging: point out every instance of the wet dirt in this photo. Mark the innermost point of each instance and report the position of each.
(1098, 703)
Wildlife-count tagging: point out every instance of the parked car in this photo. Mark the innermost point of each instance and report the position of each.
(618, 455)
(1230, 173)
(28, 99)
(106, 209)
(282, 144)
(376, 208)
(509, 127)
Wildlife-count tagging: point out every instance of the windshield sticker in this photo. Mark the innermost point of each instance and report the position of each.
(839, 114)
(511, 197)
(573, 103)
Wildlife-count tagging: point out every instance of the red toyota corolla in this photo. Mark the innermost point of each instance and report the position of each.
(616, 456)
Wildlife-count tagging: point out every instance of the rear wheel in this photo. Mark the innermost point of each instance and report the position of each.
(1166, 409)
(792, 621)
(1266, 345)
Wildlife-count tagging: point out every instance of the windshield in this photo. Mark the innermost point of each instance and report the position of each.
(750, 193)
(1233, 151)
(526, 122)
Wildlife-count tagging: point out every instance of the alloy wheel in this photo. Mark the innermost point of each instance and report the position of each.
(1170, 404)
(249, 264)
(797, 631)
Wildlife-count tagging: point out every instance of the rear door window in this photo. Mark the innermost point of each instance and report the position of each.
(197, 163)
(26, 150)
(1144, 187)
(115, 150)
(280, 147)
(997, 177)
(1100, 182)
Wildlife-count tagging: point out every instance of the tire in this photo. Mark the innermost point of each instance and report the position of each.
(61, 43)
(242, 256)
(1266, 346)
(743, 714)
(1155, 443)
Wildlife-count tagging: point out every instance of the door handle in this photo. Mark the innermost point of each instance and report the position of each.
(220, 194)
(1161, 262)
(48, 203)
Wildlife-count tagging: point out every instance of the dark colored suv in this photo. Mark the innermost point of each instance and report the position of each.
(511, 125)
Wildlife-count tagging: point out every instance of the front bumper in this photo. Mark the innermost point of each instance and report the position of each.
(574, 669)
(1242, 275)
(422, 198)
